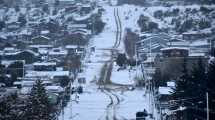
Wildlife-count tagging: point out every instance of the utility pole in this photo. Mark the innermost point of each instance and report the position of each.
(151, 85)
(62, 109)
(207, 105)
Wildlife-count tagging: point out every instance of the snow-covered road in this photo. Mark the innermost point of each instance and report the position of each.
(95, 104)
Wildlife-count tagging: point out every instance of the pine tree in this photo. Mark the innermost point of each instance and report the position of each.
(210, 76)
(121, 59)
(211, 86)
(157, 78)
(38, 106)
(198, 79)
(197, 89)
(8, 109)
(182, 84)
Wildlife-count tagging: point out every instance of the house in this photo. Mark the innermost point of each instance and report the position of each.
(12, 54)
(86, 9)
(200, 46)
(76, 26)
(151, 44)
(212, 43)
(44, 32)
(38, 48)
(74, 39)
(195, 35)
(3, 42)
(72, 49)
(64, 3)
(44, 66)
(175, 52)
(81, 51)
(14, 67)
(49, 74)
(149, 62)
(13, 26)
(173, 60)
(178, 44)
(54, 89)
(163, 98)
(171, 84)
(8, 50)
(54, 92)
(58, 53)
(25, 35)
(84, 32)
(40, 40)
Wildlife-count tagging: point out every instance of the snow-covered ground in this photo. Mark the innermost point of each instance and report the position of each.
(92, 104)
(133, 101)
(126, 76)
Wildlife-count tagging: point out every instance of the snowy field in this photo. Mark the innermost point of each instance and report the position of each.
(126, 76)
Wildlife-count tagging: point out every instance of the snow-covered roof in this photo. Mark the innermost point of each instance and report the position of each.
(197, 54)
(174, 48)
(7, 62)
(9, 49)
(73, 26)
(181, 43)
(47, 73)
(43, 51)
(81, 31)
(165, 90)
(17, 83)
(41, 36)
(18, 52)
(34, 78)
(170, 84)
(81, 46)
(199, 43)
(86, 5)
(62, 52)
(149, 60)
(44, 63)
(197, 32)
(41, 46)
(59, 69)
(25, 90)
(3, 37)
(28, 83)
(30, 51)
(54, 89)
(71, 46)
(66, 0)
(45, 32)
(25, 32)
